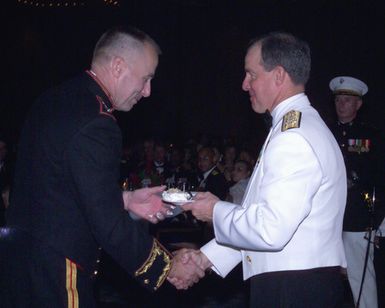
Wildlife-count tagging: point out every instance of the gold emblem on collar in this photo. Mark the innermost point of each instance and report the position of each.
(292, 119)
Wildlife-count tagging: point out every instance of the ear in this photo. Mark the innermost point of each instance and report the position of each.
(279, 75)
(117, 66)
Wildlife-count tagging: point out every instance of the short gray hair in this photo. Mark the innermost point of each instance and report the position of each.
(121, 41)
(286, 50)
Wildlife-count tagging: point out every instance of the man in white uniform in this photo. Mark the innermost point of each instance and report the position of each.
(288, 231)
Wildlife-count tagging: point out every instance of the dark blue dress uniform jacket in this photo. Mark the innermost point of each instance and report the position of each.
(363, 149)
(66, 199)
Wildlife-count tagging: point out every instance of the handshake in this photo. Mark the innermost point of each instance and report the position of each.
(188, 267)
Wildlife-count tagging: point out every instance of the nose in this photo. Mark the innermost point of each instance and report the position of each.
(245, 84)
(146, 92)
(340, 103)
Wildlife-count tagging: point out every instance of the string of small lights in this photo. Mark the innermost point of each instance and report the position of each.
(63, 3)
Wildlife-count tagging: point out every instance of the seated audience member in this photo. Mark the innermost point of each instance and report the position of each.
(217, 155)
(154, 171)
(240, 176)
(248, 156)
(226, 166)
(211, 179)
(178, 175)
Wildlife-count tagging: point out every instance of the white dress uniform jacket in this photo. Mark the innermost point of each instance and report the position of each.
(291, 215)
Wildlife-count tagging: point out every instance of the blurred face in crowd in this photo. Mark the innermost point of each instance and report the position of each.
(230, 154)
(259, 83)
(217, 155)
(347, 107)
(159, 154)
(148, 149)
(240, 172)
(135, 77)
(205, 160)
(246, 156)
(3, 150)
(176, 157)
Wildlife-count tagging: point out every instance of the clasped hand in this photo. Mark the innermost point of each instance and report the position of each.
(188, 267)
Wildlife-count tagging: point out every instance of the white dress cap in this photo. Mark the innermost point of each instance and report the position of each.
(345, 85)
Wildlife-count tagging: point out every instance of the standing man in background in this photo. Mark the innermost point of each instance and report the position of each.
(360, 146)
(66, 203)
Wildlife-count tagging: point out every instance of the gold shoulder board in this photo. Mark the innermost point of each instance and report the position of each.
(292, 119)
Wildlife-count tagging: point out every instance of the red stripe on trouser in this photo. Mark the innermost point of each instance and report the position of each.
(72, 292)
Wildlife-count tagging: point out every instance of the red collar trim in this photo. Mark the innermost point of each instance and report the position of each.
(102, 105)
(97, 80)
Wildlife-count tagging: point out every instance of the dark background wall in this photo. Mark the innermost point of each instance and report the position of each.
(198, 83)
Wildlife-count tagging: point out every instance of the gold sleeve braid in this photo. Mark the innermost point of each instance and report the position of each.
(157, 251)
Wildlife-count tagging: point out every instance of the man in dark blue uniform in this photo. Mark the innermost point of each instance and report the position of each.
(212, 179)
(360, 144)
(66, 203)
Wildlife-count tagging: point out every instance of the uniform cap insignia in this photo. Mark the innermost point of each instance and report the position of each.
(292, 119)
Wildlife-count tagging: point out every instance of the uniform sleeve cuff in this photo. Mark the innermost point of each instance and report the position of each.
(154, 271)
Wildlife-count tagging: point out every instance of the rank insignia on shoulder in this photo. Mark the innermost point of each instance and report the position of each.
(215, 172)
(292, 119)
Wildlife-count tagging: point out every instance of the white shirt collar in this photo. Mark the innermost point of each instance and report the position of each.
(206, 174)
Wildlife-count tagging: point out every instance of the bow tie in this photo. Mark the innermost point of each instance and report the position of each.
(268, 119)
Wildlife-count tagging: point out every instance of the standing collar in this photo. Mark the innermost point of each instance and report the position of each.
(347, 124)
(101, 93)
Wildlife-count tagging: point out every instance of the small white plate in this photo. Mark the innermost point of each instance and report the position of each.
(179, 203)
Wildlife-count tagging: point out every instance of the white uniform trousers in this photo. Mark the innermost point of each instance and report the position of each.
(355, 244)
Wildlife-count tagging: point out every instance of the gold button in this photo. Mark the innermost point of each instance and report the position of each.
(146, 281)
(248, 259)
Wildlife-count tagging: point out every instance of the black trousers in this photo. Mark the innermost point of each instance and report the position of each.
(33, 275)
(315, 288)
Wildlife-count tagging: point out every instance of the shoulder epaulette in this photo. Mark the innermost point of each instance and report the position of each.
(292, 119)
